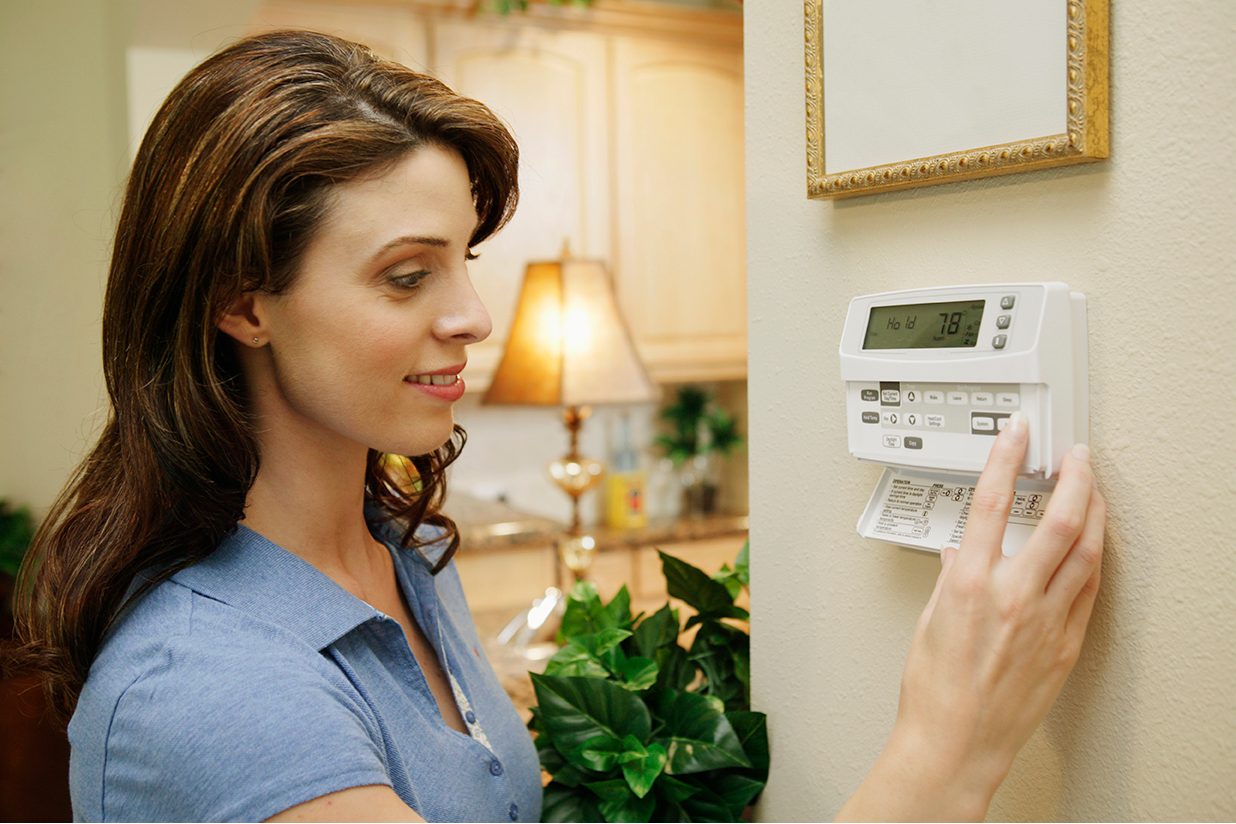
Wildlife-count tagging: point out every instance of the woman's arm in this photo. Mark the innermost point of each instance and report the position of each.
(372, 803)
(992, 649)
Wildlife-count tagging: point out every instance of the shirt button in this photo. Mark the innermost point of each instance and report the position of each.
(495, 768)
(470, 717)
(514, 812)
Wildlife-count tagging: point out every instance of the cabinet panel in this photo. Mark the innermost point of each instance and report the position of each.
(550, 88)
(678, 186)
(506, 579)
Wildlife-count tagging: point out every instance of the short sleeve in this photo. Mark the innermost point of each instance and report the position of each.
(220, 736)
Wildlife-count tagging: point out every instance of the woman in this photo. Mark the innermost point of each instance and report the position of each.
(249, 616)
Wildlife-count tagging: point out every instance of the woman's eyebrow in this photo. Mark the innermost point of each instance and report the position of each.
(412, 240)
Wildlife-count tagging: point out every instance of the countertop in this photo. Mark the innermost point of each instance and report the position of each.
(485, 524)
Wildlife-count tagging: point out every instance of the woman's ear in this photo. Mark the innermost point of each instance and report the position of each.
(245, 320)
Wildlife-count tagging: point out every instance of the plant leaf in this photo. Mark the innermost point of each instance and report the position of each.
(575, 659)
(706, 805)
(642, 770)
(697, 735)
(605, 640)
(574, 710)
(618, 803)
(693, 586)
(619, 608)
(657, 630)
(560, 803)
(674, 790)
(638, 673)
(635, 810)
(736, 790)
(674, 669)
(752, 731)
(599, 754)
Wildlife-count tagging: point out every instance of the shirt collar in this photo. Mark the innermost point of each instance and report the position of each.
(257, 576)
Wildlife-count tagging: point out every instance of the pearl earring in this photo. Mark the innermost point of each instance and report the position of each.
(256, 341)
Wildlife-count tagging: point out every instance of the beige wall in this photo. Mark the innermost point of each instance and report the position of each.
(1146, 727)
(61, 162)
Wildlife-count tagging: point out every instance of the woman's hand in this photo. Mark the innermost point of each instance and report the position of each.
(993, 648)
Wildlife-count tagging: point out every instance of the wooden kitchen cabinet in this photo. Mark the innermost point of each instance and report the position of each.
(680, 249)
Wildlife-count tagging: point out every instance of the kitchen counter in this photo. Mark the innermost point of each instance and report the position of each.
(485, 525)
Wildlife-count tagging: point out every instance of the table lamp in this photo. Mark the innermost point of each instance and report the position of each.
(569, 347)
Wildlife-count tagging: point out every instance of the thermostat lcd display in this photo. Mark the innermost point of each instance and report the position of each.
(924, 325)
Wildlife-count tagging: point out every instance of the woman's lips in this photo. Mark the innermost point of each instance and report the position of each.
(451, 391)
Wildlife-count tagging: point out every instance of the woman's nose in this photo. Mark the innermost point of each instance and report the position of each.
(465, 319)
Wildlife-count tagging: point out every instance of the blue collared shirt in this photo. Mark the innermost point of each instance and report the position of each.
(251, 682)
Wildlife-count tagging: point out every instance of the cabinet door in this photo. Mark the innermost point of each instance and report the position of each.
(550, 88)
(678, 186)
(394, 33)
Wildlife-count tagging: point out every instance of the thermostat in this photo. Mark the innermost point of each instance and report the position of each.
(933, 375)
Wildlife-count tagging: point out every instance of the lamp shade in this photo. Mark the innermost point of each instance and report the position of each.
(569, 345)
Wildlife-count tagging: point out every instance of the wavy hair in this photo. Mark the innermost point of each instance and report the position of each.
(225, 193)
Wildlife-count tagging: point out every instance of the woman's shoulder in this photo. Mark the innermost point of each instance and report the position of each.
(192, 692)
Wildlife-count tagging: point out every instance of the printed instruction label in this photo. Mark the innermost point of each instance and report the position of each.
(928, 511)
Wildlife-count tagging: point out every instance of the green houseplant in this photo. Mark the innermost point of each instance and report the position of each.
(699, 432)
(16, 532)
(633, 726)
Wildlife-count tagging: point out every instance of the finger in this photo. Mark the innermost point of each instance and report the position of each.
(1079, 614)
(993, 495)
(1085, 556)
(947, 556)
(1062, 523)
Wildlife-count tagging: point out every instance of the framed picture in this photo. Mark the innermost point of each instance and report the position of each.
(905, 93)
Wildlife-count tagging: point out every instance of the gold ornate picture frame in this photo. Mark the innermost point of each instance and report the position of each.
(871, 125)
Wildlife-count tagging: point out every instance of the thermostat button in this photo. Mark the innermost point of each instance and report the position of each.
(911, 396)
(1007, 301)
(1008, 399)
(982, 399)
(914, 419)
(890, 393)
(890, 418)
(892, 441)
(914, 443)
(958, 398)
(935, 421)
(982, 424)
(998, 341)
(933, 397)
(871, 417)
(1002, 322)
(870, 395)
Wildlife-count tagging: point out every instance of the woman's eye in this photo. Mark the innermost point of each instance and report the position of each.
(410, 280)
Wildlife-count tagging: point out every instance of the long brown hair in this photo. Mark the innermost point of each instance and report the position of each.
(225, 193)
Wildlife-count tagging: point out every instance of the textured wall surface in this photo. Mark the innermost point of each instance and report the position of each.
(1146, 727)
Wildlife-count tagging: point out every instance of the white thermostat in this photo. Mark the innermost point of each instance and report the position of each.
(932, 376)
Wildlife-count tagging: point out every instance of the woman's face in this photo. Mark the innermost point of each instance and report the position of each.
(368, 342)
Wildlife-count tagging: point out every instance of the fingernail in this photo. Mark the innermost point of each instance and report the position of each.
(1081, 452)
(1017, 423)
